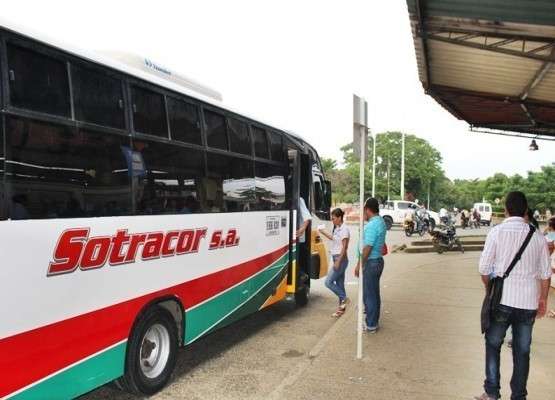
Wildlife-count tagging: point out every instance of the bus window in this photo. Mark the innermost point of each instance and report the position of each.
(37, 82)
(98, 98)
(260, 142)
(184, 121)
(170, 180)
(276, 147)
(270, 186)
(216, 132)
(149, 112)
(232, 184)
(239, 138)
(55, 171)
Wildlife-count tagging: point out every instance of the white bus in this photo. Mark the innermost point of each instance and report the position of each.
(137, 214)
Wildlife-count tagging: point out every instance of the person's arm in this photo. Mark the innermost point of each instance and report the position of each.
(544, 293)
(343, 254)
(326, 234)
(366, 251)
(302, 228)
(487, 260)
(545, 279)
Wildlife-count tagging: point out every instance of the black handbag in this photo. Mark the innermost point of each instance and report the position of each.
(495, 286)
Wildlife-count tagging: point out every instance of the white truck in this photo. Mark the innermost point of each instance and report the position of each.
(394, 211)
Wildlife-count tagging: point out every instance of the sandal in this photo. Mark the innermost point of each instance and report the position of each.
(551, 314)
(338, 313)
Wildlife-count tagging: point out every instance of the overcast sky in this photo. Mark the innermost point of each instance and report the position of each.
(295, 64)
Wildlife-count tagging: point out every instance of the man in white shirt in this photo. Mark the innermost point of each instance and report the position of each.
(524, 296)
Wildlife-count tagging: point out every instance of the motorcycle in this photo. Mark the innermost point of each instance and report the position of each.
(445, 240)
(420, 227)
(408, 227)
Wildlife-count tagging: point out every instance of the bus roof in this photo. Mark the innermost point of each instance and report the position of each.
(144, 69)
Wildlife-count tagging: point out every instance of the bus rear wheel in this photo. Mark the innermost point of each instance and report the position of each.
(151, 353)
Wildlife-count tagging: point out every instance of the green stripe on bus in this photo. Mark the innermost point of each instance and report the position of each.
(210, 315)
(80, 378)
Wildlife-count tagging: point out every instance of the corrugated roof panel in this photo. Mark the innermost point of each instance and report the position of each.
(546, 89)
(540, 12)
(479, 70)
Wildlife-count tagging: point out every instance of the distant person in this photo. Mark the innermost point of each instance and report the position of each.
(372, 263)
(476, 217)
(550, 237)
(531, 219)
(443, 216)
(524, 297)
(340, 243)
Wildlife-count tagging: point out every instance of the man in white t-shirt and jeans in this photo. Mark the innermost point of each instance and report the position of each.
(524, 297)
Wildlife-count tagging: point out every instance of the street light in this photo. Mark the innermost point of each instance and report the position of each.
(533, 146)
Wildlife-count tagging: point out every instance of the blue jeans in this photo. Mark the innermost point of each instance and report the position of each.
(522, 322)
(336, 278)
(372, 272)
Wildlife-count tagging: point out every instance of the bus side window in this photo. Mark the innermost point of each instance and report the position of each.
(239, 138)
(216, 131)
(276, 147)
(56, 171)
(37, 82)
(234, 177)
(270, 186)
(184, 121)
(98, 98)
(260, 142)
(149, 112)
(169, 183)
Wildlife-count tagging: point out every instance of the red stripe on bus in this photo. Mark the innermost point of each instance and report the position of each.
(30, 356)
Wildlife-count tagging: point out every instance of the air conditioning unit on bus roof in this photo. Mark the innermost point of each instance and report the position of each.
(148, 66)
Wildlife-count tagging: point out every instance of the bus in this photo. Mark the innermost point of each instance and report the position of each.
(137, 215)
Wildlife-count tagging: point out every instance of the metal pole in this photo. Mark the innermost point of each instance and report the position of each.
(374, 140)
(403, 167)
(360, 227)
(388, 173)
(429, 188)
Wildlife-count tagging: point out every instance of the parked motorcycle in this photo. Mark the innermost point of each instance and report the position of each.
(445, 240)
(408, 227)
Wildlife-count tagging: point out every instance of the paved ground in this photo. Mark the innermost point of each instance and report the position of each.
(429, 346)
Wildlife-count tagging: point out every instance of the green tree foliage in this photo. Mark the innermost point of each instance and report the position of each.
(423, 175)
(423, 171)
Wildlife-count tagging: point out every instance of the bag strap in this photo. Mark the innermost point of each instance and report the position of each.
(520, 251)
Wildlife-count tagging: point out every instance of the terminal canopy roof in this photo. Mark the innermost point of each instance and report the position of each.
(489, 62)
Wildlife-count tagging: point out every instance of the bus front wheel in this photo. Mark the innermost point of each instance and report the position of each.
(151, 353)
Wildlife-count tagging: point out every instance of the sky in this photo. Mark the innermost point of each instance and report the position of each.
(295, 64)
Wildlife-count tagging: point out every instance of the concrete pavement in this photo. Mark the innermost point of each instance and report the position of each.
(429, 346)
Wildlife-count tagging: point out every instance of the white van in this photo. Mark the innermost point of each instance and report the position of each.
(485, 212)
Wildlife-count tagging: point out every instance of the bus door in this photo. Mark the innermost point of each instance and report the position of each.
(304, 248)
(299, 252)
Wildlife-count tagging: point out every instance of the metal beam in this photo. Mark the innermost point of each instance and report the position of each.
(527, 112)
(496, 47)
(494, 131)
(537, 78)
